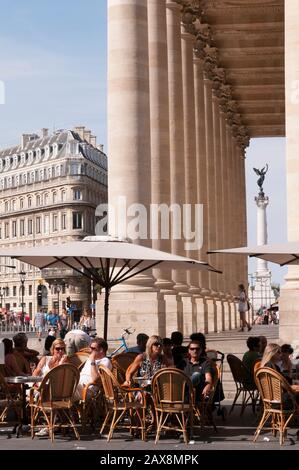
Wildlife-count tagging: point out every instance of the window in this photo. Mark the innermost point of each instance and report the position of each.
(14, 228)
(46, 199)
(6, 230)
(77, 220)
(62, 196)
(14, 291)
(63, 221)
(54, 198)
(6, 206)
(38, 225)
(21, 203)
(46, 224)
(77, 195)
(38, 200)
(22, 228)
(55, 222)
(29, 202)
(30, 225)
(30, 289)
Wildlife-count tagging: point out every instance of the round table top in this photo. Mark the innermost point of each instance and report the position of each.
(19, 379)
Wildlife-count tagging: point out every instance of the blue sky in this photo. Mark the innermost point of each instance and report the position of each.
(53, 64)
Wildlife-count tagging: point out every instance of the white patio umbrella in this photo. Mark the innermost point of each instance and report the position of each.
(105, 260)
(281, 253)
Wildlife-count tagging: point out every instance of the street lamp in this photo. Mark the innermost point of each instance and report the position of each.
(22, 275)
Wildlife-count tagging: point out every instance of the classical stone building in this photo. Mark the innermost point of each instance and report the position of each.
(189, 83)
(50, 186)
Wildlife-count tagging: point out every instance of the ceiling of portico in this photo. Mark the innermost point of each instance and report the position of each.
(249, 36)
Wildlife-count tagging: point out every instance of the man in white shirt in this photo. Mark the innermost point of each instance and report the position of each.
(90, 371)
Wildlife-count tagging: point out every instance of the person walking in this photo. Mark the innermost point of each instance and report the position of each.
(243, 307)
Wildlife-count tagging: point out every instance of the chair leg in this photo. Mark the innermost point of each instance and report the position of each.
(262, 422)
(235, 399)
(159, 426)
(109, 413)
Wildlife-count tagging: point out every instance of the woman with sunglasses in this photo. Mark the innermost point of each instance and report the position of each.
(149, 362)
(58, 356)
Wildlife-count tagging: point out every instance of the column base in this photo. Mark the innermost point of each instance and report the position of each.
(173, 313)
(144, 311)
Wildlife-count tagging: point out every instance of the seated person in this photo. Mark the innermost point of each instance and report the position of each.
(49, 340)
(285, 363)
(141, 340)
(250, 358)
(178, 351)
(76, 340)
(167, 349)
(200, 369)
(23, 354)
(90, 370)
(146, 364)
(11, 367)
(57, 356)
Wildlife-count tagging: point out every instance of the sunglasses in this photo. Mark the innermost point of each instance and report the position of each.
(194, 349)
(59, 349)
(93, 348)
(157, 344)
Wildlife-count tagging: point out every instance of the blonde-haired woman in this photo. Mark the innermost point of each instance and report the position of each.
(148, 362)
(271, 357)
(58, 356)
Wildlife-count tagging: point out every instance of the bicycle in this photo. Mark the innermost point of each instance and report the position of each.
(123, 346)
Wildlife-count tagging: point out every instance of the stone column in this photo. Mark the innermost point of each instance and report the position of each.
(159, 124)
(175, 86)
(128, 107)
(176, 132)
(210, 174)
(289, 299)
(129, 155)
(201, 305)
(190, 314)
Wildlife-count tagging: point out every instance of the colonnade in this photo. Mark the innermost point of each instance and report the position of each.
(175, 137)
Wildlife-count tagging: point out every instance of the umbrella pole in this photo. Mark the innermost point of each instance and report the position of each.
(106, 311)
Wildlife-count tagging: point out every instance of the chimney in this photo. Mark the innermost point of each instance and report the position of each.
(25, 139)
(44, 132)
(80, 130)
(87, 135)
(93, 140)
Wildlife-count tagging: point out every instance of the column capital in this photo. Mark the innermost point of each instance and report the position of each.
(174, 5)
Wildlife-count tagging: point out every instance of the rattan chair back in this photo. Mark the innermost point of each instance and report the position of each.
(120, 364)
(60, 383)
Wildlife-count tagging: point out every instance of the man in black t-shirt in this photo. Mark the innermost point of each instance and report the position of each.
(200, 369)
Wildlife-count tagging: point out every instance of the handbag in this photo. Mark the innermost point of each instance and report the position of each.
(248, 305)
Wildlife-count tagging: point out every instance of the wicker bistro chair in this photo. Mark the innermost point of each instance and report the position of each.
(9, 400)
(248, 391)
(79, 358)
(173, 396)
(55, 396)
(120, 401)
(120, 363)
(279, 402)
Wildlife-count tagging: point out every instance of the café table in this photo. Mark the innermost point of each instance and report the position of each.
(23, 380)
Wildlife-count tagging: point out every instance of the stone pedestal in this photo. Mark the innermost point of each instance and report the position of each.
(144, 311)
(212, 315)
(189, 315)
(173, 313)
(202, 314)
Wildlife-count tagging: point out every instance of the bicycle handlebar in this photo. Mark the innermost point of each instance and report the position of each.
(129, 330)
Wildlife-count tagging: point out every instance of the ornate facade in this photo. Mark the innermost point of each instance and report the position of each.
(50, 186)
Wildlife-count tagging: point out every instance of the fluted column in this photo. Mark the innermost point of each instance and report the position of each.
(218, 186)
(189, 140)
(210, 174)
(159, 122)
(201, 165)
(128, 107)
(176, 119)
